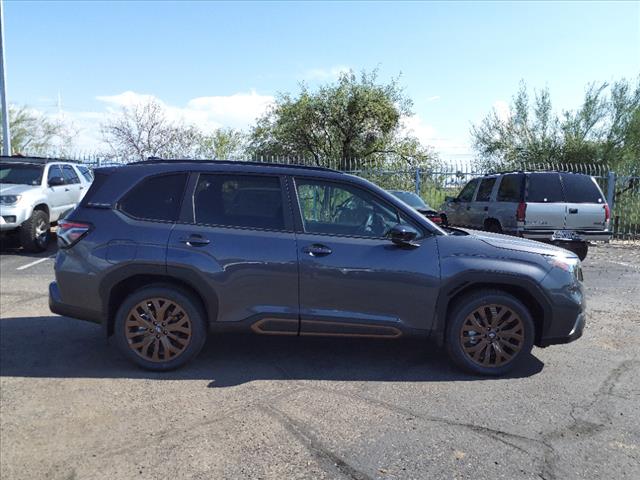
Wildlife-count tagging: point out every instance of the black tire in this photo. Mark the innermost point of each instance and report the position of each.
(458, 323)
(445, 222)
(35, 232)
(493, 226)
(197, 325)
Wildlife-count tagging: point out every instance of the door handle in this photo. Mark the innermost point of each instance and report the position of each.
(195, 240)
(317, 250)
(486, 209)
(469, 207)
(66, 189)
(573, 210)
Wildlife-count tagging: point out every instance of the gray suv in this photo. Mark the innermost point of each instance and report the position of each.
(162, 252)
(568, 209)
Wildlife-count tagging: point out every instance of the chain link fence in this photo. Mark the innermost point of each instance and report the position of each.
(434, 183)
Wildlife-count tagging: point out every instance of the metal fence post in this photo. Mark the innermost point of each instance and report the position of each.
(418, 181)
(611, 189)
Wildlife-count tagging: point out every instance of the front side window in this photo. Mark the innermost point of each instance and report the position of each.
(544, 188)
(156, 198)
(339, 209)
(467, 192)
(54, 172)
(247, 201)
(69, 175)
(510, 189)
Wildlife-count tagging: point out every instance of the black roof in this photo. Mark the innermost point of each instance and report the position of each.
(155, 160)
(35, 160)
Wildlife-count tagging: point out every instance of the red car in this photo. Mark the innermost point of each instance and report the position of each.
(414, 200)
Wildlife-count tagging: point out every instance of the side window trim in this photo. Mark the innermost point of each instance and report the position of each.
(299, 223)
(188, 209)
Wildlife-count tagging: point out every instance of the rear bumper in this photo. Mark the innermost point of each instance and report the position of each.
(56, 305)
(581, 235)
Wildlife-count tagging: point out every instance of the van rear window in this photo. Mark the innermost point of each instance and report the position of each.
(544, 188)
(580, 189)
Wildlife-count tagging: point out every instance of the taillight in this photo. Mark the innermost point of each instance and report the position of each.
(607, 212)
(521, 213)
(70, 232)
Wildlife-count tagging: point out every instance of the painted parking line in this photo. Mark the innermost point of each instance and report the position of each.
(40, 260)
(624, 264)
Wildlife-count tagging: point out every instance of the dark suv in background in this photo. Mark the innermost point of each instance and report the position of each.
(163, 252)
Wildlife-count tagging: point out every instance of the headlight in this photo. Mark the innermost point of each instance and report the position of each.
(571, 265)
(9, 199)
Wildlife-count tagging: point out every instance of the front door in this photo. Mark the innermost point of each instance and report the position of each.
(240, 241)
(353, 280)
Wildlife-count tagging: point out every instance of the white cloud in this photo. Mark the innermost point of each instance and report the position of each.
(428, 135)
(502, 109)
(433, 98)
(319, 74)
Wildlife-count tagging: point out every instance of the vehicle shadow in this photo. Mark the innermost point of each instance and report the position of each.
(10, 245)
(59, 347)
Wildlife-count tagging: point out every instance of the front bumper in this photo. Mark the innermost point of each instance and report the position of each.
(12, 216)
(574, 334)
(581, 235)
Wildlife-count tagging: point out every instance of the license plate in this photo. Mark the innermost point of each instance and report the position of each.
(565, 235)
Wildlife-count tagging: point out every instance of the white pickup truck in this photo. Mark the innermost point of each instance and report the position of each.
(35, 193)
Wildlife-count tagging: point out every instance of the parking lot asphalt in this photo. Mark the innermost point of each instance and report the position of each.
(260, 407)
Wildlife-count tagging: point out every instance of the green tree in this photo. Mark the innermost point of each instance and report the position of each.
(604, 129)
(351, 122)
(34, 133)
(222, 144)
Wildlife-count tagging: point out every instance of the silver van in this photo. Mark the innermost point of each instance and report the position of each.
(567, 209)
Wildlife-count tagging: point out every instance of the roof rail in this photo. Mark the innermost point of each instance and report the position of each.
(30, 159)
(156, 160)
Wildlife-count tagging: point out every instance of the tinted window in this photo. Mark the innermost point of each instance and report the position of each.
(410, 198)
(544, 188)
(54, 171)
(338, 209)
(467, 192)
(251, 201)
(580, 189)
(510, 188)
(86, 173)
(484, 191)
(21, 174)
(69, 174)
(156, 198)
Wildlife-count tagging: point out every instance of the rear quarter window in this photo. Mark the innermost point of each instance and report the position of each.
(155, 198)
(580, 189)
(544, 188)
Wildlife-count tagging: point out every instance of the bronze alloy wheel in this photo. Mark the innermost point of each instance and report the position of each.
(492, 335)
(158, 329)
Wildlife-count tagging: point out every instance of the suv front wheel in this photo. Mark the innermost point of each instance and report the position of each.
(160, 327)
(34, 232)
(489, 332)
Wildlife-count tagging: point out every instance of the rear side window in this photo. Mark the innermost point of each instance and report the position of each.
(544, 188)
(510, 189)
(54, 172)
(484, 191)
(86, 173)
(248, 201)
(467, 192)
(156, 198)
(580, 189)
(70, 175)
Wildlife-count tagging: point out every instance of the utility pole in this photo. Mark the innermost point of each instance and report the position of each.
(6, 134)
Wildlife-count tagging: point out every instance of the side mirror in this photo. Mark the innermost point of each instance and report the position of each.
(56, 181)
(403, 235)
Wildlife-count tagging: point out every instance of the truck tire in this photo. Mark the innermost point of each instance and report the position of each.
(34, 232)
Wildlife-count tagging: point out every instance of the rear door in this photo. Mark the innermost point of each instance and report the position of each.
(479, 210)
(546, 209)
(509, 195)
(236, 235)
(58, 196)
(74, 185)
(585, 202)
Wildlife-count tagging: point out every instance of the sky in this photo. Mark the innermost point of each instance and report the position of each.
(221, 63)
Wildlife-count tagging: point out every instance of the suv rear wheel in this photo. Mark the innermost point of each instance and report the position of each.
(489, 332)
(160, 327)
(34, 232)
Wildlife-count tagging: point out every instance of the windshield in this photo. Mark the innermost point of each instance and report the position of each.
(410, 199)
(20, 173)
